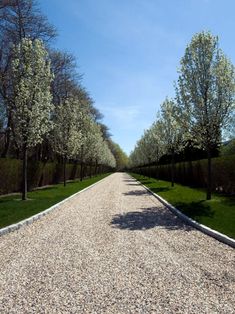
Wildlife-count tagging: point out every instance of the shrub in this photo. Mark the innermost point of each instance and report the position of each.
(194, 173)
(39, 173)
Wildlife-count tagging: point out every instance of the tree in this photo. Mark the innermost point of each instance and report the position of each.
(228, 148)
(18, 19)
(170, 131)
(120, 156)
(7, 3)
(91, 143)
(205, 92)
(31, 98)
(66, 135)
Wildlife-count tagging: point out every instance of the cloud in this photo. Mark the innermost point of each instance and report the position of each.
(124, 118)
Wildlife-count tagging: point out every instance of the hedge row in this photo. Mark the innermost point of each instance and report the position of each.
(195, 173)
(39, 174)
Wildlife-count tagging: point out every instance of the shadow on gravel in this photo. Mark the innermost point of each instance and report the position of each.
(137, 193)
(148, 218)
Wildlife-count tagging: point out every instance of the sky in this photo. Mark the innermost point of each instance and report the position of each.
(129, 51)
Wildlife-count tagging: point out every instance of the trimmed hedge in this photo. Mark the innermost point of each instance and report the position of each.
(39, 173)
(195, 173)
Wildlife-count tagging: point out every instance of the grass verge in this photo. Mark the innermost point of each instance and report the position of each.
(13, 209)
(218, 213)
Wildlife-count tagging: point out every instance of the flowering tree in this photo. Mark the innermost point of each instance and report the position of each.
(67, 136)
(31, 98)
(170, 131)
(18, 19)
(106, 157)
(91, 142)
(165, 136)
(205, 92)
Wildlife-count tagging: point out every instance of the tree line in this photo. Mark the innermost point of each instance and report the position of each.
(203, 107)
(45, 111)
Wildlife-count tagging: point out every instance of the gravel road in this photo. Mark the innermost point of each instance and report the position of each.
(114, 249)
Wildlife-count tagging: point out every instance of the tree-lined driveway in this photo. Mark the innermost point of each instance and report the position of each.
(114, 249)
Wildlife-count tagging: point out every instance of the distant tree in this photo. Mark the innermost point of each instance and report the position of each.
(205, 93)
(105, 155)
(31, 98)
(228, 148)
(120, 156)
(65, 83)
(105, 131)
(66, 136)
(170, 131)
(91, 143)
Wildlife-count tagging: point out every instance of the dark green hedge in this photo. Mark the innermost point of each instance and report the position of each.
(195, 173)
(39, 173)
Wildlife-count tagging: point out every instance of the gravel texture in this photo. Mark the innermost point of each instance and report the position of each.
(114, 249)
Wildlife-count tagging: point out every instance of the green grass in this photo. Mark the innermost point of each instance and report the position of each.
(218, 213)
(13, 209)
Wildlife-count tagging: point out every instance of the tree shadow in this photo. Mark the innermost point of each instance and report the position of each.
(137, 193)
(128, 180)
(149, 218)
(228, 201)
(195, 209)
(146, 182)
(161, 189)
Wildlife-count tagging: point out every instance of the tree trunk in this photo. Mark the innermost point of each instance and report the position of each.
(157, 172)
(64, 170)
(81, 171)
(90, 169)
(149, 172)
(209, 178)
(96, 165)
(6, 144)
(24, 185)
(172, 168)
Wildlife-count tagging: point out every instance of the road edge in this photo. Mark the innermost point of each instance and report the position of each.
(211, 232)
(30, 220)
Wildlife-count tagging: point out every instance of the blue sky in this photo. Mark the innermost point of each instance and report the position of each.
(129, 51)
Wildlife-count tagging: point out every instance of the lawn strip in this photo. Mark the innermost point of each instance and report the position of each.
(217, 213)
(13, 209)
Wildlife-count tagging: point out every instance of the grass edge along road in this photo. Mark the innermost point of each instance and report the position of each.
(217, 213)
(13, 209)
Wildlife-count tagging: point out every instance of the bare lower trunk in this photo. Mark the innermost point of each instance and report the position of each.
(81, 172)
(64, 170)
(24, 185)
(6, 144)
(172, 169)
(209, 179)
(96, 165)
(90, 170)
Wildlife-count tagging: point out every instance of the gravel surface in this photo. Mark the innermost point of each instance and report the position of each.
(114, 249)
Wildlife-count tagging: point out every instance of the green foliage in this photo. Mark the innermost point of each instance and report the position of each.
(205, 90)
(217, 213)
(39, 174)
(11, 175)
(12, 209)
(228, 148)
(121, 157)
